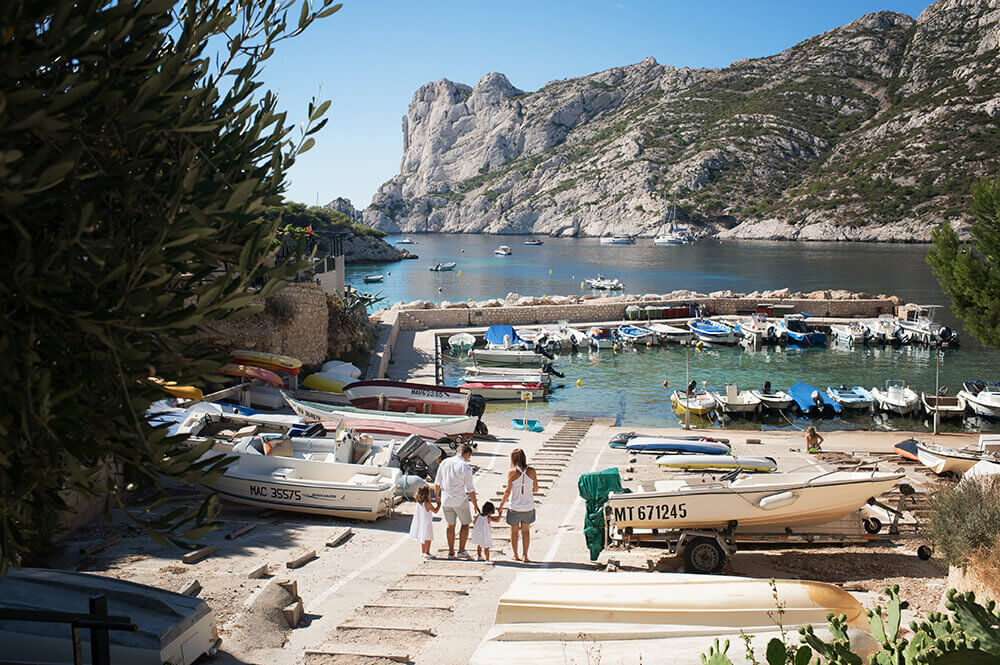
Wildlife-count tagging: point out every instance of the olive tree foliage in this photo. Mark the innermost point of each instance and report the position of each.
(969, 272)
(137, 153)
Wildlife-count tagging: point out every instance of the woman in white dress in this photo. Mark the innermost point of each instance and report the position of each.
(522, 483)
(422, 526)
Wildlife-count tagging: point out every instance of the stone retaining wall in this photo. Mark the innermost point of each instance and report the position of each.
(589, 311)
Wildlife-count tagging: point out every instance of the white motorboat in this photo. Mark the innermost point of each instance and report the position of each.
(695, 462)
(699, 402)
(757, 330)
(851, 334)
(309, 480)
(563, 337)
(885, 329)
(668, 333)
(797, 498)
(776, 400)
(855, 399)
(514, 373)
(408, 397)
(896, 398)
(406, 241)
(632, 334)
(946, 407)
(601, 283)
(712, 332)
(539, 378)
(503, 250)
(921, 327)
(443, 267)
(374, 279)
(508, 357)
(461, 342)
(670, 238)
(941, 459)
(504, 390)
(617, 239)
(983, 398)
(733, 400)
(663, 619)
(461, 428)
(170, 627)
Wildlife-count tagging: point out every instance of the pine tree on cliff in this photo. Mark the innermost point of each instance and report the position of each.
(969, 272)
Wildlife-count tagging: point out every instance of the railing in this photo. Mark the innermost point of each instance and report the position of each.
(98, 622)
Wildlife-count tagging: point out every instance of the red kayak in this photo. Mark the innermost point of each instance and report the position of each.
(251, 372)
(408, 397)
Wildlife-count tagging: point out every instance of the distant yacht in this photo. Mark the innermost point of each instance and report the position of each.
(503, 250)
(617, 239)
(406, 241)
(533, 241)
(675, 235)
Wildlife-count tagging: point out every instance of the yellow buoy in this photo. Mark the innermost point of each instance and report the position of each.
(459, 273)
(550, 271)
(579, 383)
(581, 285)
(698, 346)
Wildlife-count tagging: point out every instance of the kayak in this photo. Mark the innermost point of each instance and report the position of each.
(907, 449)
(251, 372)
(327, 382)
(271, 361)
(692, 461)
(176, 390)
(652, 444)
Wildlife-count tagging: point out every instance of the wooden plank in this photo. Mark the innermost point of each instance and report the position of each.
(198, 555)
(246, 528)
(258, 572)
(361, 651)
(301, 560)
(103, 545)
(459, 592)
(403, 606)
(339, 537)
(426, 630)
(293, 613)
(191, 588)
(420, 573)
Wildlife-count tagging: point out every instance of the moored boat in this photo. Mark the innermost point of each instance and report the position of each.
(504, 390)
(406, 241)
(712, 332)
(946, 407)
(757, 330)
(885, 329)
(775, 400)
(851, 334)
(921, 327)
(541, 379)
(983, 398)
(373, 279)
(693, 462)
(635, 334)
(461, 342)
(405, 396)
(602, 338)
(668, 333)
(509, 357)
(617, 239)
(601, 283)
(733, 400)
(812, 401)
(503, 250)
(896, 398)
(443, 267)
(699, 402)
(794, 330)
(504, 337)
(854, 399)
(534, 242)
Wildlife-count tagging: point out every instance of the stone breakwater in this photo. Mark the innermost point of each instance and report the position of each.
(526, 310)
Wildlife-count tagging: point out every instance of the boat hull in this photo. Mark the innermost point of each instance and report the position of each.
(946, 407)
(803, 395)
(980, 406)
(780, 401)
(505, 391)
(407, 397)
(715, 505)
(507, 357)
(900, 404)
(698, 404)
(695, 462)
(941, 460)
(655, 445)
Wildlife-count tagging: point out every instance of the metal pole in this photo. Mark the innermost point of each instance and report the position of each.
(687, 388)
(937, 390)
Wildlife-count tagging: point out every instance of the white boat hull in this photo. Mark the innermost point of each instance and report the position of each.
(694, 462)
(988, 406)
(779, 401)
(901, 404)
(507, 357)
(790, 501)
(942, 460)
(946, 407)
(511, 391)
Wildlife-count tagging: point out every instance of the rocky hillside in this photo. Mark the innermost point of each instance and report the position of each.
(871, 131)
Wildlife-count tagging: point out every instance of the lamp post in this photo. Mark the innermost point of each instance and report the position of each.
(687, 388)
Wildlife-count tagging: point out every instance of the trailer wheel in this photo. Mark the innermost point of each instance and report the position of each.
(924, 552)
(872, 525)
(703, 555)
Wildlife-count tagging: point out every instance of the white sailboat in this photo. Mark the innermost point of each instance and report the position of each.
(674, 234)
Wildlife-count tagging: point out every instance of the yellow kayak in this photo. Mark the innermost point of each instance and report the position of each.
(271, 361)
(328, 382)
(177, 390)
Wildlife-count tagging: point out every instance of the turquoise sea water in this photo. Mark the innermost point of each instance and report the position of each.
(630, 383)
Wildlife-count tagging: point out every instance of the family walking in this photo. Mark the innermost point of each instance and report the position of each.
(455, 496)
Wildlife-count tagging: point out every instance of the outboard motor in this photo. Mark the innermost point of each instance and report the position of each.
(542, 352)
(416, 457)
(945, 333)
(476, 407)
(692, 387)
(549, 369)
(767, 388)
(817, 398)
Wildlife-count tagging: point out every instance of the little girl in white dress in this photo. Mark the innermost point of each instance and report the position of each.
(481, 534)
(422, 526)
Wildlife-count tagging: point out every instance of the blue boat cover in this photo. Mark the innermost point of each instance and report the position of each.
(495, 335)
(802, 393)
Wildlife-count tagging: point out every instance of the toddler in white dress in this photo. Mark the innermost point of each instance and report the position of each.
(481, 534)
(422, 526)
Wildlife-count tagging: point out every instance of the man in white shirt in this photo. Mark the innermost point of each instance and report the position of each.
(454, 490)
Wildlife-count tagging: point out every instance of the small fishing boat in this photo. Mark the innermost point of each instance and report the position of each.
(169, 627)
(712, 332)
(504, 337)
(851, 334)
(509, 357)
(812, 401)
(504, 390)
(635, 334)
(668, 333)
(516, 373)
(941, 459)
(406, 241)
(537, 377)
(251, 372)
(896, 398)
(757, 330)
(793, 499)
(854, 399)
(732, 400)
(689, 461)
(534, 242)
(617, 239)
(921, 327)
(443, 267)
(603, 338)
(527, 425)
(503, 250)
(271, 361)
(660, 445)
(408, 397)
(946, 407)
(792, 328)
(885, 329)
(461, 428)
(982, 397)
(775, 400)
(908, 449)
(601, 283)
(373, 279)
(461, 342)
(699, 403)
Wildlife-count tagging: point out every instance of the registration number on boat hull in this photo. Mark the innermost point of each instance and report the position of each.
(275, 493)
(654, 512)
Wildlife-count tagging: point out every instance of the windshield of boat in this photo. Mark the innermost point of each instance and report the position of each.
(795, 325)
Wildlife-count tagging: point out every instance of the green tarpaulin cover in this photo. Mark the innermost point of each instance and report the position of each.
(594, 488)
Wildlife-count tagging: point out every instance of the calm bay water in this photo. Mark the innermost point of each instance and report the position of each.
(630, 383)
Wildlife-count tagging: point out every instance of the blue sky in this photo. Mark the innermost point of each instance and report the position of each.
(372, 55)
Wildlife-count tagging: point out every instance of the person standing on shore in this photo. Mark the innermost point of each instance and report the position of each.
(522, 483)
(454, 490)
(422, 526)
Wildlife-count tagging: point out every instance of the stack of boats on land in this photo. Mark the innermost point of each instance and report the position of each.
(511, 365)
(974, 460)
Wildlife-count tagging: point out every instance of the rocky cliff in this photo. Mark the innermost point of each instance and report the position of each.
(871, 131)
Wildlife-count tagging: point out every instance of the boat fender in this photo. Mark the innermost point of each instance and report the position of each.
(780, 500)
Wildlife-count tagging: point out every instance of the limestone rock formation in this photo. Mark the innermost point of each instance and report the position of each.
(871, 131)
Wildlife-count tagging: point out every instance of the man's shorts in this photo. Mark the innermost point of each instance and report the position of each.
(461, 513)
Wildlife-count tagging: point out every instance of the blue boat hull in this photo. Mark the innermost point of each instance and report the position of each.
(697, 447)
(802, 393)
